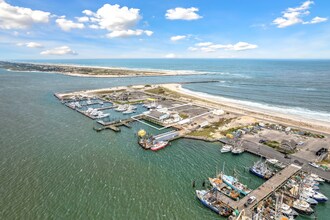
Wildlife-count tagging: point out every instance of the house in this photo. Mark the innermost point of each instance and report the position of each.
(157, 115)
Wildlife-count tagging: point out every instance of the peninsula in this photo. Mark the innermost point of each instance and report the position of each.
(85, 71)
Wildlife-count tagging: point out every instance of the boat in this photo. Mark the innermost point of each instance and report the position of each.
(308, 199)
(317, 178)
(288, 211)
(275, 163)
(237, 151)
(88, 102)
(319, 197)
(102, 115)
(210, 201)
(261, 170)
(233, 183)
(226, 148)
(129, 110)
(159, 145)
(121, 108)
(302, 207)
(224, 189)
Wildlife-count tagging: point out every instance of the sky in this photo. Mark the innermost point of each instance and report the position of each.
(86, 29)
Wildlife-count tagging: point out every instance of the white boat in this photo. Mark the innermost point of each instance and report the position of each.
(121, 108)
(88, 102)
(317, 178)
(315, 195)
(308, 199)
(276, 163)
(288, 211)
(102, 115)
(129, 110)
(237, 150)
(302, 207)
(226, 148)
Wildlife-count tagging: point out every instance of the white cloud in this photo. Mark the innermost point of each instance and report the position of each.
(128, 33)
(82, 19)
(67, 25)
(292, 16)
(30, 45)
(88, 12)
(316, 20)
(119, 21)
(64, 50)
(204, 44)
(211, 47)
(178, 37)
(193, 48)
(14, 17)
(182, 14)
(170, 55)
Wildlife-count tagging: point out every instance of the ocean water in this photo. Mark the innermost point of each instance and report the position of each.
(54, 166)
(299, 87)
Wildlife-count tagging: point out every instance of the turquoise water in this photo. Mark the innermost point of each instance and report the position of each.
(54, 166)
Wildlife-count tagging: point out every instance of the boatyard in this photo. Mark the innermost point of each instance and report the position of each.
(289, 152)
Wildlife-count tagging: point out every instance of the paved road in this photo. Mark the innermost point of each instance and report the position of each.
(268, 152)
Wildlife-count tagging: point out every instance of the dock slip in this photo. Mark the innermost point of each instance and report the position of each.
(265, 190)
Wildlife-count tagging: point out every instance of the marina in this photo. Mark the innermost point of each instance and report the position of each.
(158, 109)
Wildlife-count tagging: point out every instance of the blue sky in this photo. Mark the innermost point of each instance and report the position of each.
(47, 29)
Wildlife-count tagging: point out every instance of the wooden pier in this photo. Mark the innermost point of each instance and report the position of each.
(262, 192)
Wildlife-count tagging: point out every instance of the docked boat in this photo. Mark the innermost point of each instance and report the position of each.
(308, 199)
(317, 178)
(88, 102)
(226, 148)
(275, 163)
(237, 150)
(288, 211)
(261, 170)
(102, 115)
(319, 197)
(211, 202)
(302, 207)
(233, 183)
(130, 110)
(121, 108)
(159, 145)
(224, 189)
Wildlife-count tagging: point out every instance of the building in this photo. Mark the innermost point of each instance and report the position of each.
(155, 115)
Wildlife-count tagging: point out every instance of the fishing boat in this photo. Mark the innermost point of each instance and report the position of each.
(226, 148)
(224, 189)
(237, 151)
(319, 197)
(308, 199)
(159, 145)
(288, 211)
(317, 178)
(275, 163)
(233, 183)
(302, 207)
(261, 170)
(210, 201)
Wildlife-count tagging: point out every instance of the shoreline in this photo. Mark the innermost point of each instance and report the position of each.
(112, 72)
(253, 111)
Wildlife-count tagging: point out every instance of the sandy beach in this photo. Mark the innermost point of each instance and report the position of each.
(89, 71)
(253, 111)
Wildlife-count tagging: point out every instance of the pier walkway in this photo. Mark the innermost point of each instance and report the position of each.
(263, 191)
